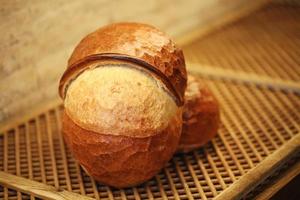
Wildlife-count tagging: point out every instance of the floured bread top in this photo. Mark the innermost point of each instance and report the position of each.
(119, 100)
(198, 91)
(193, 90)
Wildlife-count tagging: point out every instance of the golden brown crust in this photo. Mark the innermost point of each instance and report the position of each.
(121, 161)
(99, 137)
(201, 116)
(141, 42)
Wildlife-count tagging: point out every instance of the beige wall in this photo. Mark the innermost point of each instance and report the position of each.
(37, 37)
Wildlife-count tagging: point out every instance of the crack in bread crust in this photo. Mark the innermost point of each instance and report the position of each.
(140, 41)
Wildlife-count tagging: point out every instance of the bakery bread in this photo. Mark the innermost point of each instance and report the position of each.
(123, 93)
(201, 115)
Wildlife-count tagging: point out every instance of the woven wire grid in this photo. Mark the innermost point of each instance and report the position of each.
(256, 121)
(265, 43)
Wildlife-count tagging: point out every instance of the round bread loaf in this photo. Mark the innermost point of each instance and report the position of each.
(201, 115)
(123, 95)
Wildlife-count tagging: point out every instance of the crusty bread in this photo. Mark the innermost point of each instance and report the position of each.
(135, 43)
(201, 115)
(123, 96)
(122, 161)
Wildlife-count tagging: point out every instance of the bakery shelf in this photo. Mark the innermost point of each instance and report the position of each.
(258, 140)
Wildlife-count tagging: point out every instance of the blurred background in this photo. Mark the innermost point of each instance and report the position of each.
(37, 37)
